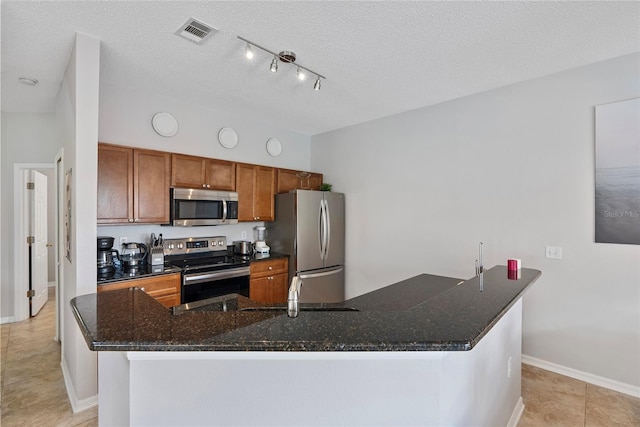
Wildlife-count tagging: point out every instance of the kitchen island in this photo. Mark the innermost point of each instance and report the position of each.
(430, 350)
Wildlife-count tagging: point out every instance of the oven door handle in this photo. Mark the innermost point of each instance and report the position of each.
(191, 279)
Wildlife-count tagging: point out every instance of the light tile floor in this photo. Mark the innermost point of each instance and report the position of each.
(32, 391)
(555, 400)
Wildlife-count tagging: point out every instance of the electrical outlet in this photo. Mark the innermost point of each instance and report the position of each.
(244, 235)
(123, 240)
(553, 252)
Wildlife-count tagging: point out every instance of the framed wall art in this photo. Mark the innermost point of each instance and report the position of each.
(617, 180)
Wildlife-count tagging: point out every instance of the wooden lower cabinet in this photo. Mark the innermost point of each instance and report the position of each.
(269, 280)
(164, 288)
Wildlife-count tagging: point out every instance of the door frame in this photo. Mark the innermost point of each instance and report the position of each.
(59, 240)
(21, 231)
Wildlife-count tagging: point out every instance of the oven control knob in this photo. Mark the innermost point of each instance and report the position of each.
(180, 245)
(171, 246)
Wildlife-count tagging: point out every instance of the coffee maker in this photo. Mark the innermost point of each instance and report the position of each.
(106, 263)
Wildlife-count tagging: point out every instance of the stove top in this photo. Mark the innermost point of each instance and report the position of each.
(210, 262)
(200, 254)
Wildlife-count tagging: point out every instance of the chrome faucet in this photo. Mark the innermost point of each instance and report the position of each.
(480, 268)
(294, 297)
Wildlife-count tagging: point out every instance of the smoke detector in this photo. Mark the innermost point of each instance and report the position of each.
(196, 31)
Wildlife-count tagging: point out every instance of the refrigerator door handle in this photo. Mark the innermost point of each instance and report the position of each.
(327, 229)
(324, 273)
(321, 231)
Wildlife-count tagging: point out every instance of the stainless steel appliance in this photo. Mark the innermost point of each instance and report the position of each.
(242, 247)
(309, 227)
(106, 263)
(207, 269)
(133, 255)
(203, 207)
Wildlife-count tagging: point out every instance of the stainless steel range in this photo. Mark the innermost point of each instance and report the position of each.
(208, 270)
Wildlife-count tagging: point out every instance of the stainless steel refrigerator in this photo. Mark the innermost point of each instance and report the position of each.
(309, 227)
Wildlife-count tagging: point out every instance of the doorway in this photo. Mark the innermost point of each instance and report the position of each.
(21, 233)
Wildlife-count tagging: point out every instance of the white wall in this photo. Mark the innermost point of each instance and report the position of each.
(514, 168)
(77, 119)
(26, 138)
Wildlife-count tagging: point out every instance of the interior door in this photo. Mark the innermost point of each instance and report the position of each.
(38, 256)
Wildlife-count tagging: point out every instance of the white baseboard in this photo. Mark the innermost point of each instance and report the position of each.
(516, 414)
(9, 319)
(618, 386)
(77, 405)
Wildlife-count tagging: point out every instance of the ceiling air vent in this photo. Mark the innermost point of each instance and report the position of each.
(196, 31)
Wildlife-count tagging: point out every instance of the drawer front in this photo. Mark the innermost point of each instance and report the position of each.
(269, 267)
(155, 285)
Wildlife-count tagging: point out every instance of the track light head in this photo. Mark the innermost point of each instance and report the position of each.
(316, 85)
(274, 65)
(248, 51)
(301, 74)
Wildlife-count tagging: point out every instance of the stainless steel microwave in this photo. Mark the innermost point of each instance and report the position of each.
(203, 207)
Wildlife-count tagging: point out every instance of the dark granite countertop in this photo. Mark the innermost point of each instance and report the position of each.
(423, 313)
(146, 270)
(261, 257)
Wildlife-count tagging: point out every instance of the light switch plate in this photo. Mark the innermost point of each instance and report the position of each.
(553, 252)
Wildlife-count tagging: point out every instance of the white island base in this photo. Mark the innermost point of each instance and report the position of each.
(480, 387)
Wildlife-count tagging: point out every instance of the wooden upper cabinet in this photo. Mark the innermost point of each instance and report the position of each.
(221, 175)
(133, 185)
(292, 179)
(151, 172)
(256, 187)
(264, 203)
(200, 172)
(115, 184)
(187, 171)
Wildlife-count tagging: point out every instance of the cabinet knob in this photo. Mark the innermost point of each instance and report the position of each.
(204, 185)
(270, 268)
(208, 186)
(130, 219)
(142, 289)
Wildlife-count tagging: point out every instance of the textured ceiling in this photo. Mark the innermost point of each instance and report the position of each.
(380, 58)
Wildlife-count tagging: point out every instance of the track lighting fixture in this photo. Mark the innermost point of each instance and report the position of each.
(285, 56)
